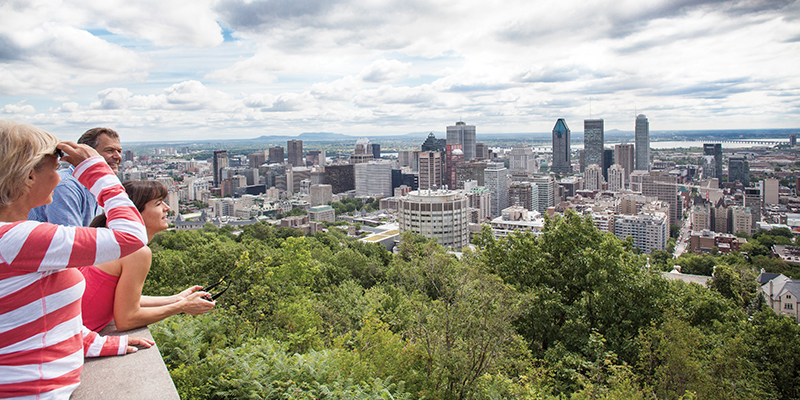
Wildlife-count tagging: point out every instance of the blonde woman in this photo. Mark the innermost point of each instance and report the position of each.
(42, 338)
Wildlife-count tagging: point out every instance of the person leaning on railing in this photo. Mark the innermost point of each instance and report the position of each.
(114, 289)
(42, 339)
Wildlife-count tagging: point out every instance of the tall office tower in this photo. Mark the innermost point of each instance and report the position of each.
(362, 146)
(373, 179)
(624, 156)
(471, 171)
(256, 159)
(593, 141)
(294, 148)
(546, 184)
(432, 144)
(642, 138)
(442, 215)
(218, 163)
(561, 152)
(129, 155)
(771, 188)
(453, 156)
(608, 161)
(616, 178)
(463, 134)
(376, 151)
(430, 170)
(524, 194)
(404, 158)
(582, 160)
(739, 170)
(340, 177)
(714, 149)
(481, 151)
(276, 155)
(522, 159)
(793, 140)
(593, 178)
(752, 200)
(496, 177)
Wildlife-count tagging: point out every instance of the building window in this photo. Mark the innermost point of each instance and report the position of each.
(788, 306)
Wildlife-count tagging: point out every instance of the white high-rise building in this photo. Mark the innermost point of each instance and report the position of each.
(593, 178)
(496, 179)
(373, 179)
(463, 134)
(741, 220)
(436, 214)
(642, 138)
(546, 185)
(650, 231)
(616, 178)
(771, 188)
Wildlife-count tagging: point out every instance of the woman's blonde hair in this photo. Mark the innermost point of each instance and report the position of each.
(22, 148)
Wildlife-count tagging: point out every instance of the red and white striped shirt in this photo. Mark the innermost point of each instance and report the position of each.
(42, 338)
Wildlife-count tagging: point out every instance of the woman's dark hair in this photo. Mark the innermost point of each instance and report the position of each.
(140, 192)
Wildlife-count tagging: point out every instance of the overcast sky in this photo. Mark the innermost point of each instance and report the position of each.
(185, 69)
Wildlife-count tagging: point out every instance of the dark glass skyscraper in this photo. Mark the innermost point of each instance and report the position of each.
(218, 163)
(593, 141)
(642, 138)
(714, 149)
(561, 152)
(294, 148)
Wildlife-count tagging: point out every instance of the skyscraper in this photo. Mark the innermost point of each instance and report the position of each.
(522, 159)
(624, 156)
(642, 138)
(739, 170)
(496, 176)
(376, 151)
(276, 155)
(463, 134)
(561, 152)
(430, 170)
(593, 141)
(294, 148)
(218, 163)
(714, 149)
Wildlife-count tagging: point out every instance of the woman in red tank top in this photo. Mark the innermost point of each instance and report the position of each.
(114, 289)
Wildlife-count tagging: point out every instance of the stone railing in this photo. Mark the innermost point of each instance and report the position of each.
(141, 375)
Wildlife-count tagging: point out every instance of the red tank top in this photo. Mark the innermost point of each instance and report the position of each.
(98, 299)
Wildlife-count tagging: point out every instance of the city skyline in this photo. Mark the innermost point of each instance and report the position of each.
(190, 70)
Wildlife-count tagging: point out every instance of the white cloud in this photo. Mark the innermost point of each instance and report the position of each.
(19, 108)
(383, 70)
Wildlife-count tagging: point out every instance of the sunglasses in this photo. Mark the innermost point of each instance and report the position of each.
(212, 297)
(58, 153)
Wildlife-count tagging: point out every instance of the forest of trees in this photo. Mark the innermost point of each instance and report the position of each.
(570, 314)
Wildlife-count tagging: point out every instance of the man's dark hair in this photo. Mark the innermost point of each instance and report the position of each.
(92, 136)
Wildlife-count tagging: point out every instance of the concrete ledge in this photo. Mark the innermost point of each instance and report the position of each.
(141, 375)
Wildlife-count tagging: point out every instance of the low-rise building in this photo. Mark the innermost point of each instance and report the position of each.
(517, 219)
(782, 294)
(322, 213)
